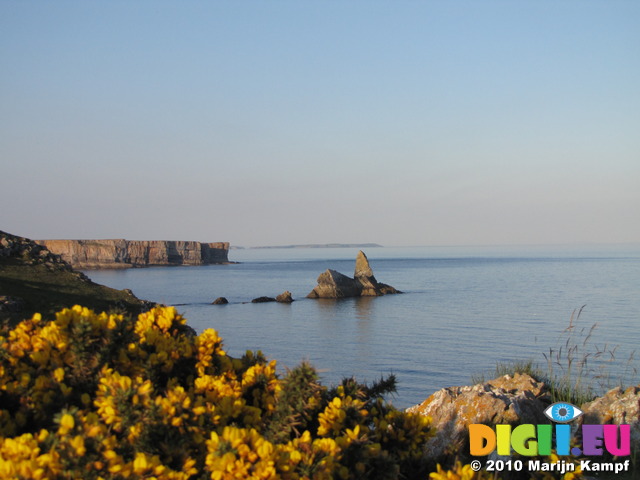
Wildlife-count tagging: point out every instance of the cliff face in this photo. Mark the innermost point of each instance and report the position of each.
(122, 253)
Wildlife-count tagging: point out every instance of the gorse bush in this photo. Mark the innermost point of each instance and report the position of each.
(102, 396)
(92, 396)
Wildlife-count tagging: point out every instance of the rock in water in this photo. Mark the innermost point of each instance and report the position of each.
(263, 300)
(284, 297)
(363, 269)
(332, 284)
(220, 301)
(363, 275)
(385, 289)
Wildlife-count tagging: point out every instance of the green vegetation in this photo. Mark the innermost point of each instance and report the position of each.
(92, 396)
(109, 395)
(578, 369)
(47, 291)
(575, 370)
(44, 283)
(105, 396)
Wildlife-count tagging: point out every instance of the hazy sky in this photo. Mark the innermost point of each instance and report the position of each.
(279, 122)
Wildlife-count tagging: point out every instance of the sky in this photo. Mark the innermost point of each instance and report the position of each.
(295, 122)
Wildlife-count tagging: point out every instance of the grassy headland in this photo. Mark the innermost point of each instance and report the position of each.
(39, 281)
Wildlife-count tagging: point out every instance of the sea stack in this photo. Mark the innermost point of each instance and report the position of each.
(333, 284)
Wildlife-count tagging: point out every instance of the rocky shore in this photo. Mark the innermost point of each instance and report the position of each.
(513, 400)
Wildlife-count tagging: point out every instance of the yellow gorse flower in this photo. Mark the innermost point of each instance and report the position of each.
(67, 422)
(459, 472)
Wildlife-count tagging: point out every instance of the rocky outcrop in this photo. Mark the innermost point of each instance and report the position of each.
(285, 297)
(505, 400)
(617, 407)
(27, 252)
(512, 400)
(220, 301)
(32, 279)
(122, 253)
(333, 284)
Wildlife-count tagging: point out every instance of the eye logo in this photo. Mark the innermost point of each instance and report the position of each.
(562, 412)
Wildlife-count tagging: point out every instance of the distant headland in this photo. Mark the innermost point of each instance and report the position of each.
(318, 245)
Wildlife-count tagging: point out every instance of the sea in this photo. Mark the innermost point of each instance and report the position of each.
(463, 310)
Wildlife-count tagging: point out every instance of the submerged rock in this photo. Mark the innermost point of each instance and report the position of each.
(263, 300)
(333, 284)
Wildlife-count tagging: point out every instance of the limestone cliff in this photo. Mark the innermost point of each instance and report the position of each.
(122, 253)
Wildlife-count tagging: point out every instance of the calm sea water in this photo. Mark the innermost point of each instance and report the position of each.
(463, 310)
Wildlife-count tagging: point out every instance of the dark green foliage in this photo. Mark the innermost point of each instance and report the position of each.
(44, 283)
(299, 403)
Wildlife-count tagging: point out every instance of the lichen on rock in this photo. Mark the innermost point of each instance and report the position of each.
(505, 400)
(617, 406)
